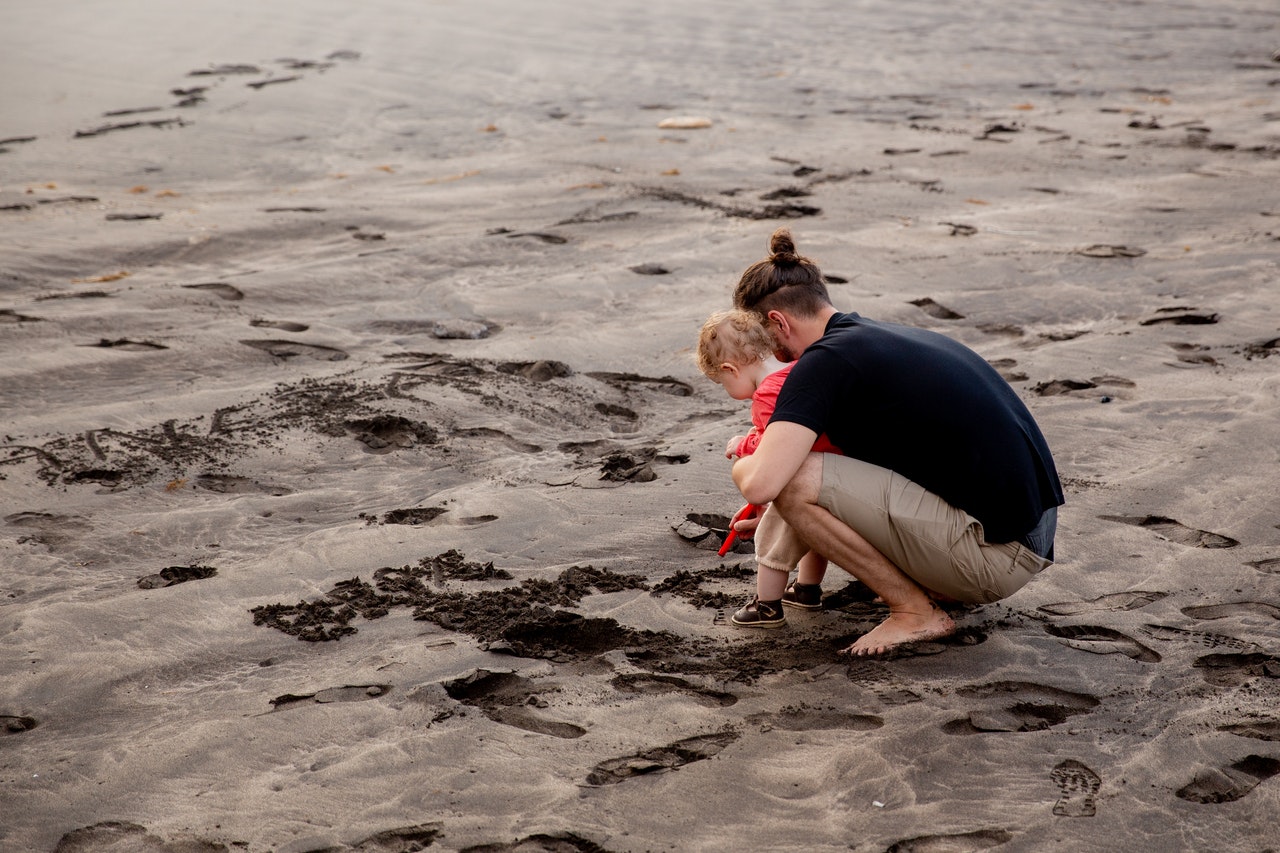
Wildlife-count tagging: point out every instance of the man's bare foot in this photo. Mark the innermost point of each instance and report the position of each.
(900, 628)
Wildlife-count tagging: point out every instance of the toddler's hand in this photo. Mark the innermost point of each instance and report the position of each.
(731, 449)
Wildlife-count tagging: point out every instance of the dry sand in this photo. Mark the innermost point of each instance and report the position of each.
(359, 490)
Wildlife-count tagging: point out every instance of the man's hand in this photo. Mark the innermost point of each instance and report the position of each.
(746, 520)
(748, 517)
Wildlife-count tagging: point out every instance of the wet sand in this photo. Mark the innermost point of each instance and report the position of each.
(358, 490)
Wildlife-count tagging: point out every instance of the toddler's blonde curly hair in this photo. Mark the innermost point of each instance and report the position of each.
(733, 336)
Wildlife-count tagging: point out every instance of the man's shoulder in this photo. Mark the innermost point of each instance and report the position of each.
(846, 320)
(853, 330)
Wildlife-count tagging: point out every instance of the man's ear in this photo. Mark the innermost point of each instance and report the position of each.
(781, 319)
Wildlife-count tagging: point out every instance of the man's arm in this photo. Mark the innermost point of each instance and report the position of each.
(783, 449)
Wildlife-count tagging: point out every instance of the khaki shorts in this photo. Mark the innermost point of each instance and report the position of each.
(938, 546)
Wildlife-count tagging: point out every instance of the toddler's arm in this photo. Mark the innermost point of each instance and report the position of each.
(743, 445)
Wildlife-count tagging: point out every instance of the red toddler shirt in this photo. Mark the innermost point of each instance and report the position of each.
(763, 402)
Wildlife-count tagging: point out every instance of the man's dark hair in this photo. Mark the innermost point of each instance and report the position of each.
(784, 281)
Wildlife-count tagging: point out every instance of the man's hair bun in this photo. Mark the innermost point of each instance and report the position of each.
(786, 280)
(782, 248)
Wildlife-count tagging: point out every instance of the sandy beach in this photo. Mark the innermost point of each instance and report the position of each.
(359, 490)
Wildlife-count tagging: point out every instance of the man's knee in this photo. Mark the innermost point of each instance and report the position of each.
(804, 486)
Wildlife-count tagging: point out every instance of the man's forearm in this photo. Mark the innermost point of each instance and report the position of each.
(765, 473)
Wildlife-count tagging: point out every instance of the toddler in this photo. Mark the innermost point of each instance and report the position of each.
(736, 351)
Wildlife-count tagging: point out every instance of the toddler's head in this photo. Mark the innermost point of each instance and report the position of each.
(731, 337)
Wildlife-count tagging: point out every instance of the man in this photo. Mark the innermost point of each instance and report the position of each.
(947, 489)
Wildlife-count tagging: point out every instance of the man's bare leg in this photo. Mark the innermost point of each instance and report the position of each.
(913, 615)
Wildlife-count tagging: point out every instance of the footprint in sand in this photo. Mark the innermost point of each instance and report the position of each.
(116, 835)
(781, 210)
(1057, 337)
(933, 309)
(282, 325)
(401, 838)
(462, 329)
(1193, 354)
(127, 345)
(651, 684)
(1103, 250)
(553, 842)
(1234, 670)
(412, 515)
(660, 759)
(1004, 366)
(552, 239)
(523, 718)
(1228, 784)
(1261, 730)
(1079, 788)
(1131, 600)
(960, 842)
(347, 693)
(289, 349)
(1057, 387)
(536, 371)
(1270, 566)
(47, 528)
(1102, 641)
(627, 381)
(816, 719)
(11, 724)
(385, 433)
(1019, 706)
(508, 698)
(636, 466)
(609, 410)
(495, 436)
(1261, 349)
(1181, 317)
(174, 575)
(882, 681)
(785, 192)
(1007, 330)
(698, 527)
(1199, 638)
(1239, 608)
(225, 69)
(222, 290)
(101, 476)
(1175, 531)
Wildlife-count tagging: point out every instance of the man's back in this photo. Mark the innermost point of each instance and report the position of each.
(931, 409)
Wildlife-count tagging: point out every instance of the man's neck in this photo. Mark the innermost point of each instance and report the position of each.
(810, 329)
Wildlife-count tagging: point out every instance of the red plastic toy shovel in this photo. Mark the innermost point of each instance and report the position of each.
(748, 511)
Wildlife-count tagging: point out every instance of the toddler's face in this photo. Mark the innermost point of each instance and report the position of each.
(735, 382)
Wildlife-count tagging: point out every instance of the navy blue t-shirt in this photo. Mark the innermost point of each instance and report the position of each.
(931, 409)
